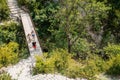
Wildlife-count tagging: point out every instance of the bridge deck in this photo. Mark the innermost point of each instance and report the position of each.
(28, 27)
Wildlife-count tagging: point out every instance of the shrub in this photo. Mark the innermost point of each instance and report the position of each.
(61, 61)
(5, 76)
(74, 69)
(8, 54)
(61, 58)
(82, 48)
(39, 67)
(8, 32)
(112, 49)
(94, 65)
(4, 10)
(115, 68)
(13, 32)
(57, 61)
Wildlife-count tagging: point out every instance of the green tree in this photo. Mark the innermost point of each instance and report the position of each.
(77, 19)
(112, 29)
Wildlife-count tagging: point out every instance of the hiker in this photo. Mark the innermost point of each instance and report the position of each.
(34, 45)
(29, 38)
(33, 34)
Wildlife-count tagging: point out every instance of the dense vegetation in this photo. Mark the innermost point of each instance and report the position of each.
(60, 61)
(12, 43)
(4, 10)
(5, 76)
(81, 37)
(9, 54)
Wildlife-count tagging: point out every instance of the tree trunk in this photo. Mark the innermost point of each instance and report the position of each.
(69, 45)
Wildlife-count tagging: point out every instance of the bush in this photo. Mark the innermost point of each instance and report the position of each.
(112, 49)
(8, 32)
(4, 10)
(5, 76)
(61, 61)
(58, 61)
(74, 69)
(8, 54)
(93, 66)
(115, 68)
(81, 48)
(13, 32)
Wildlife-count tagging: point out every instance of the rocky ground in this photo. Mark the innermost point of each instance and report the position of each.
(23, 71)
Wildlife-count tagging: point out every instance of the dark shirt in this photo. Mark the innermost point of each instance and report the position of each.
(34, 43)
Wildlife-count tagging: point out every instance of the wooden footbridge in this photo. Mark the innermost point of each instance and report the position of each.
(21, 15)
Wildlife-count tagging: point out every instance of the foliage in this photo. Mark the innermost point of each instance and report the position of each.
(4, 10)
(115, 68)
(58, 61)
(5, 76)
(22, 2)
(77, 19)
(8, 32)
(74, 25)
(113, 19)
(44, 19)
(108, 38)
(74, 69)
(112, 49)
(9, 54)
(60, 24)
(12, 32)
(42, 13)
(81, 48)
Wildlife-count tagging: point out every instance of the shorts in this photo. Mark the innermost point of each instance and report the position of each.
(34, 47)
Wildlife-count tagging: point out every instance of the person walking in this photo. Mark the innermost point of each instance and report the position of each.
(33, 34)
(29, 38)
(34, 45)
